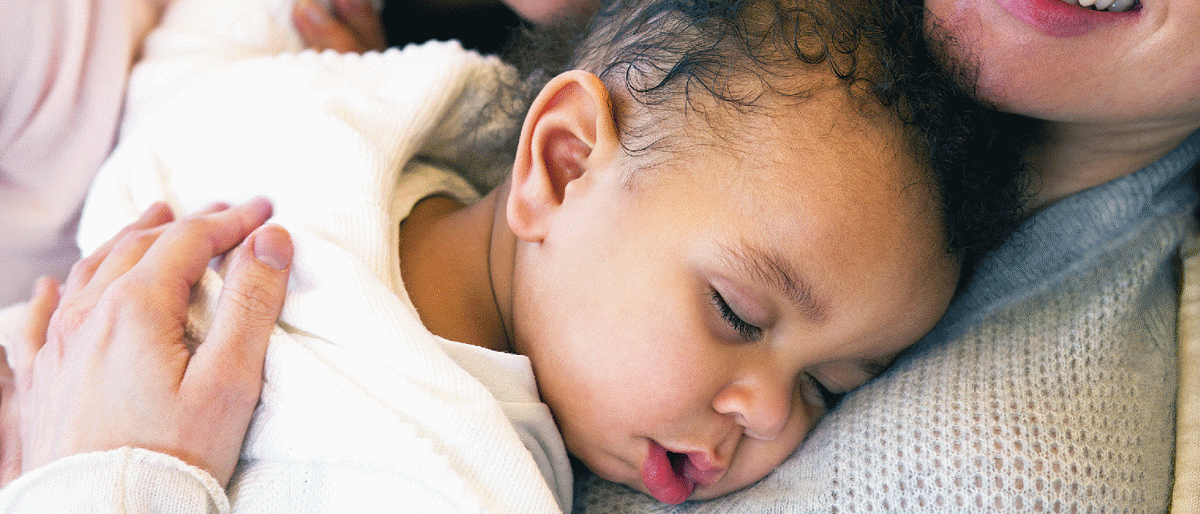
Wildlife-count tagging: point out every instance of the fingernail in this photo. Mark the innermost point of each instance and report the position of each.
(153, 210)
(273, 246)
(315, 13)
(261, 202)
(157, 214)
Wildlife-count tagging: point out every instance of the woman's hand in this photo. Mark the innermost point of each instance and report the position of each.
(106, 364)
(10, 436)
(353, 26)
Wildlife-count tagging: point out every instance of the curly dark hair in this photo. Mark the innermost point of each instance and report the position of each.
(667, 51)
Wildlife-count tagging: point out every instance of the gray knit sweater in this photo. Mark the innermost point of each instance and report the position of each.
(1049, 386)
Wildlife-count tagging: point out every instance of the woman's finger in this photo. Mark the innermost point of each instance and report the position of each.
(37, 322)
(124, 275)
(132, 244)
(366, 24)
(10, 438)
(16, 375)
(225, 374)
(83, 271)
(321, 30)
(178, 257)
(251, 299)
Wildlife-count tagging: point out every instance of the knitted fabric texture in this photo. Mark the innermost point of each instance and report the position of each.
(1185, 494)
(1048, 387)
(118, 480)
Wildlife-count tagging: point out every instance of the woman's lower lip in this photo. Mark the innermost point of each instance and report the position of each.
(1056, 18)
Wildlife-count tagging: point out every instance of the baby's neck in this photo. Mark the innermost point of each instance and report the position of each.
(444, 262)
(1073, 157)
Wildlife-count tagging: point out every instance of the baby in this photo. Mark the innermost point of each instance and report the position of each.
(717, 221)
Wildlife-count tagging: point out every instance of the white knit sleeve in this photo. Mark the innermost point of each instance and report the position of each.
(125, 480)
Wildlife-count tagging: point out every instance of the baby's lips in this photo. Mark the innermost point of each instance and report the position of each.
(699, 469)
(662, 481)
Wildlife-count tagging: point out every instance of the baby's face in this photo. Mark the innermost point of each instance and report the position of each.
(685, 331)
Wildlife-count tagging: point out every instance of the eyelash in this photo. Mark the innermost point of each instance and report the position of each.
(829, 398)
(750, 332)
(747, 331)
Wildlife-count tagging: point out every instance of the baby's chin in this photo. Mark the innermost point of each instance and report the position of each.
(716, 491)
(699, 494)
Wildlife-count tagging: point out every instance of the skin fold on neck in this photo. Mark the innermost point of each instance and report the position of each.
(449, 255)
(1072, 157)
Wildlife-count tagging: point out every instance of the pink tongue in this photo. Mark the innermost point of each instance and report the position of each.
(664, 484)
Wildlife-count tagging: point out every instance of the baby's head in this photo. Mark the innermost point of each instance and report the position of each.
(728, 215)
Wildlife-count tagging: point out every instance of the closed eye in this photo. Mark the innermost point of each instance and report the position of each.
(828, 397)
(745, 330)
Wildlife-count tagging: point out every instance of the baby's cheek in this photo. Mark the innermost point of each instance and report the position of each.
(756, 459)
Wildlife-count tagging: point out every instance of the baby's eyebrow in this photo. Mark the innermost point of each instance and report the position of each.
(769, 268)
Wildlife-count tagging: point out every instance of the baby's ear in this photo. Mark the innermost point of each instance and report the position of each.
(568, 131)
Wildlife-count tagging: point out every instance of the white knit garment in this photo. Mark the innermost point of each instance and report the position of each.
(1048, 387)
(54, 488)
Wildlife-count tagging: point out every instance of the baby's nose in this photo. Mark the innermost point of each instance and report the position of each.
(760, 406)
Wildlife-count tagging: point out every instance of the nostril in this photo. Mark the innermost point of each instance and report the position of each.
(740, 420)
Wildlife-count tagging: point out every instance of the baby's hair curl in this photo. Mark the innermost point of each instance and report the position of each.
(661, 53)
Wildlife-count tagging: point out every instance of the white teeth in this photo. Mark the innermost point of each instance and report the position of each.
(1104, 5)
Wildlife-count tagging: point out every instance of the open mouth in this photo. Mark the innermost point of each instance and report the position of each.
(664, 477)
(671, 477)
(1106, 5)
(1073, 18)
